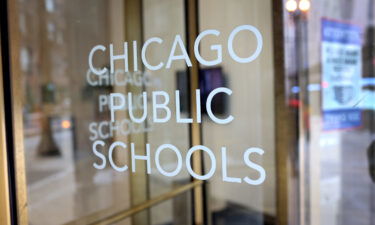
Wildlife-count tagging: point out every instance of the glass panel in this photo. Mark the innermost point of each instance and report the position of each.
(232, 199)
(175, 211)
(71, 172)
(165, 20)
(330, 69)
(108, 110)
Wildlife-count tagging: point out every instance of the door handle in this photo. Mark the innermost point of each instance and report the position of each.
(371, 160)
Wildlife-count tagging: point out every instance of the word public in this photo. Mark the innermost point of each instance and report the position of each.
(119, 101)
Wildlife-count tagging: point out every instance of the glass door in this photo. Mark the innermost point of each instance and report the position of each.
(97, 139)
(90, 154)
(122, 102)
(187, 112)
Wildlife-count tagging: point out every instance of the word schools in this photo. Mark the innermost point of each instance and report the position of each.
(99, 145)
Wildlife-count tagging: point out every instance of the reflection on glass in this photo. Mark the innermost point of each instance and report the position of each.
(66, 109)
(330, 55)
